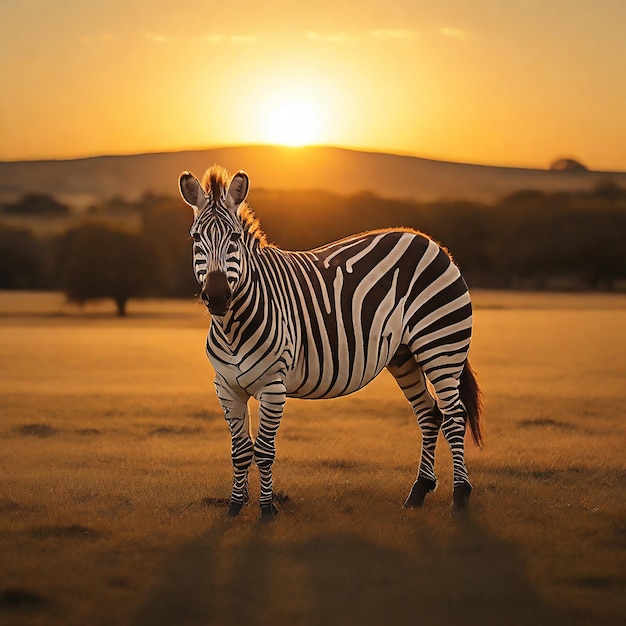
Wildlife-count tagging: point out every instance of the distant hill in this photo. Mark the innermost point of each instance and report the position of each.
(80, 182)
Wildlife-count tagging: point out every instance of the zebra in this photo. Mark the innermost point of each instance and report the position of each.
(324, 323)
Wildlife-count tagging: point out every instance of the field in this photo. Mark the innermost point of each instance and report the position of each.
(115, 475)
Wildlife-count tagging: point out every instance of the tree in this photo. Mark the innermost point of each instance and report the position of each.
(165, 221)
(568, 165)
(19, 253)
(38, 204)
(97, 262)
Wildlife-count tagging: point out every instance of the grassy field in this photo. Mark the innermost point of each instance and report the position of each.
(115, 474)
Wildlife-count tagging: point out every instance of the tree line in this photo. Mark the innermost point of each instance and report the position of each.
(528, 240)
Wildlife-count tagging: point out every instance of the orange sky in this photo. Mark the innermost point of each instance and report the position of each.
(511, 82)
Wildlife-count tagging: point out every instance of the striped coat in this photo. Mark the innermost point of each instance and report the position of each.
(326, 322)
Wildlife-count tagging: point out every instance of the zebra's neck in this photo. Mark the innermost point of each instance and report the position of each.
(253, 311)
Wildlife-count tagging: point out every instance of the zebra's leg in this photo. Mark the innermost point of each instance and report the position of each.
(235, 405)
(410, 377)
(271, 406)
(445, 380)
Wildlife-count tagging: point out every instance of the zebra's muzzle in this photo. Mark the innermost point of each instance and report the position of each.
(216, 293)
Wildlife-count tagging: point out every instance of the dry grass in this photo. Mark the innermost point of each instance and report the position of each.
(115, 474)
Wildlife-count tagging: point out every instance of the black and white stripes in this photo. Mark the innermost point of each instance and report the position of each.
(324, 323)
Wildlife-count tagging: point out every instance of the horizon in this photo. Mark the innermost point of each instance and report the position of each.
(516, 85)
(372, 151)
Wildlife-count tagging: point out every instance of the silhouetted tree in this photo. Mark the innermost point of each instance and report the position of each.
(19, 255)
(97, 262)
(568, 165)
(608, 189)
(39, 204)
(166, 223)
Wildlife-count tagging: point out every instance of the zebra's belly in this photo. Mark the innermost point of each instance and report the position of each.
(335, 391)
(337, 373)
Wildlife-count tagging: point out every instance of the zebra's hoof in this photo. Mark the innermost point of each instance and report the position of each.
(233, 510)
(268, 512)
(461, 496)
(420, 488)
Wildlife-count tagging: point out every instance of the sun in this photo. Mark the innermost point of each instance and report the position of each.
(294, 123)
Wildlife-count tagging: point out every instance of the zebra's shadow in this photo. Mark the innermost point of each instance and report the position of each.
(244, 574)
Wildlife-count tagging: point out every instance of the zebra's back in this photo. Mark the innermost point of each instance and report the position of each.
(356, 301)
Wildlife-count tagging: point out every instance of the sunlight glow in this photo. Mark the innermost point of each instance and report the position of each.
(293, 123)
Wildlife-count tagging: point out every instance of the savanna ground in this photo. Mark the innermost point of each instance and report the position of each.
(115, 475)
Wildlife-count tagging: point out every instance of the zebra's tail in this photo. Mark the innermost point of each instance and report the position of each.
(472, 398)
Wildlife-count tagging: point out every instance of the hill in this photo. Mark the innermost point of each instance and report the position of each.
(80, 182)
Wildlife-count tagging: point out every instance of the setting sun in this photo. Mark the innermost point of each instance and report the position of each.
(293, 124)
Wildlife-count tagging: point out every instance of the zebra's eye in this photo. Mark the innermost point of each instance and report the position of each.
(235, 237)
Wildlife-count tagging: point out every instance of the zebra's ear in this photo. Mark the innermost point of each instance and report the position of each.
(237, 190)
(191, 190)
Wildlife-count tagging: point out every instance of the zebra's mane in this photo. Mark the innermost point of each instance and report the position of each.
(215, 183)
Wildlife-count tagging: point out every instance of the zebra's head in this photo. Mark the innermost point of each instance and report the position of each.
(216, 232)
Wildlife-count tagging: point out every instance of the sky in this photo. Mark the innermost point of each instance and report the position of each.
(502, 82)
